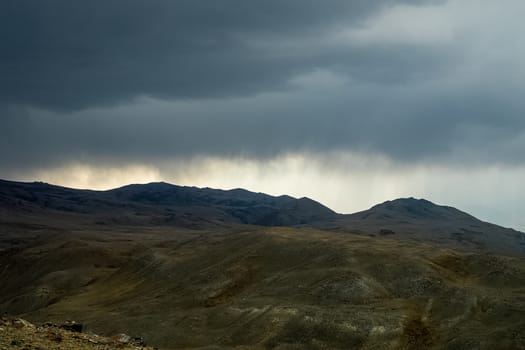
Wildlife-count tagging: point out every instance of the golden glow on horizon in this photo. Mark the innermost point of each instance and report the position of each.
(95, 177)
(344, 182)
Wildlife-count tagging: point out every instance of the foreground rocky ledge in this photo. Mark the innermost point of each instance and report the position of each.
(16, 333)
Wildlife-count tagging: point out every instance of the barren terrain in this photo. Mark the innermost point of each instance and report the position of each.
(237, 286)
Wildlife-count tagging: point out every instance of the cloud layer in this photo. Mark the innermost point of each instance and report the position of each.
(63, 55)
(408, 79)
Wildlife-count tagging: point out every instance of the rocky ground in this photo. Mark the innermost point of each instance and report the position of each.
(16, 333)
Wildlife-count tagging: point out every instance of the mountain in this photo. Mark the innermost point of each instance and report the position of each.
(163, 204)
(420, 219)
(159, 203)
(411, 208)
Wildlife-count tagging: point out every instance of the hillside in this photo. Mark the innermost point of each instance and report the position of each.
(422, 220)
(190, 268)
(162, 204)
(267, 288)
(158, 203)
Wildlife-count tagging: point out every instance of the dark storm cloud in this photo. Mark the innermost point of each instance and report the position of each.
(66, 55)
(417, 124)
(228, 78)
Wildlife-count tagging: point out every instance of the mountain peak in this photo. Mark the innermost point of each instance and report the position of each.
(407, 201)
(417, 209)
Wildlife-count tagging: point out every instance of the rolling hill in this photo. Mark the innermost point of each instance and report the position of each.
(163, 204)
(422, 220)
(190, 268)
(160, 203)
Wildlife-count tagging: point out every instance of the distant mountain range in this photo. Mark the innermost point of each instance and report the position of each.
(191, 207)
(162, 203)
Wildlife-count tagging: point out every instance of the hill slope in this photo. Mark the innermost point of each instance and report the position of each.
(162, 204)
(268, 288)
(419, 219)
(159, 203)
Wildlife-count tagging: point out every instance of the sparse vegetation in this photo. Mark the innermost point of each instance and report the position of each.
(235, 286)
(20, 334)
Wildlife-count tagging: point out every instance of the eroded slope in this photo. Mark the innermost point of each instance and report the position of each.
(270, 288)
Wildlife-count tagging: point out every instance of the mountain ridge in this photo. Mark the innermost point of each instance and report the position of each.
(147, 187)
(164, 202)
(161, 203)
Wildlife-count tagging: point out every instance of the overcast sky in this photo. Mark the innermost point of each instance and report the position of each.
(348, 102)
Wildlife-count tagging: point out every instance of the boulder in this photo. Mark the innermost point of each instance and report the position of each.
(72, 326)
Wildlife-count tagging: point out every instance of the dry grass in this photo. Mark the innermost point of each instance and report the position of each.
(279, 288)
(20, 334)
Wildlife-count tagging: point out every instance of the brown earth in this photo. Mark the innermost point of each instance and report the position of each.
(265, 288)
(21, 334)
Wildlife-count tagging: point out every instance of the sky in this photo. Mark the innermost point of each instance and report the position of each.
(350, 103)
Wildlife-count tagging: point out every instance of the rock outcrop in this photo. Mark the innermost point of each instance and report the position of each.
(16, 333)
